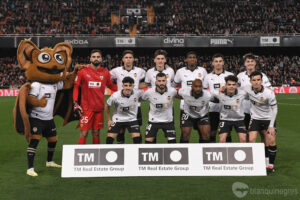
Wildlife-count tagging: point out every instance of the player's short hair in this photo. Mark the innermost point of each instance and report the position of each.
(217, 55)
(231, 78)
(256, 73)
(96, 51)
(189, 53)
(128, 79)
(197, 80)
(250, 56)
(127, 52)
(160, 52)
(161, 74)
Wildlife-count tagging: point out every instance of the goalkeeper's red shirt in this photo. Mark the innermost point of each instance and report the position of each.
(92, 82)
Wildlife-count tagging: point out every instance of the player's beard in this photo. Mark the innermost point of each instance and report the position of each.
(96, 63)
(198, 93)
(162, 87)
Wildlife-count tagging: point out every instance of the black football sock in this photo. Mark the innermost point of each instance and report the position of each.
(205, 141)
(148, 142)
(31, 149)
(272, 154)
(213, 139)
(183, 141)
(109, 140)
(228, 138)
(121, 138)
(137, 140)
(51, 149)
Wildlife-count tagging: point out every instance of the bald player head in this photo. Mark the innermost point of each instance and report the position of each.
(197, 88)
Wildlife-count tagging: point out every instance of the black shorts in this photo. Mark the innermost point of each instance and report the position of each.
(247, 120)
(46, 128)
(139, 116)
(226, 126)
(260, 125)
(214, 120)
(132, 127)
(168, 128)
(187, 121)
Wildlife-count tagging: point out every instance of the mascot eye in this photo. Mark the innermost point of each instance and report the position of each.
(59, 58)
(44, 57)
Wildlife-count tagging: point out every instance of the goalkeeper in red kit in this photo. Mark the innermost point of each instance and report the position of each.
(92, 81)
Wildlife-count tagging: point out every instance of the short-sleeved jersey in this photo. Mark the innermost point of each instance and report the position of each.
(126, 108)
(231, 106)
(93, 83)
(39, 90)
(244, 79)
(261, 103)
(161, 105)
(119, 73)
(195, 107)
(214, 82)
(151, 76)
(186, 76)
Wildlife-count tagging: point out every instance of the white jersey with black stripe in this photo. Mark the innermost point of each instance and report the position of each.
(39, 90)
(214, 82)
(261, 103)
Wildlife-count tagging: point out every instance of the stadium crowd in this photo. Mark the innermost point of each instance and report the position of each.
(281, 69)
(170, 17)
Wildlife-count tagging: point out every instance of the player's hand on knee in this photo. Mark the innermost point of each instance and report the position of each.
(77, 109)
(43, 101)
(271, 131)
(222, 89)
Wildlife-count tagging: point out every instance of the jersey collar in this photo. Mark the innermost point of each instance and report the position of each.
(191, 92)
(262, 89)
(157, 70)
(191, 70)
(128, 70)
(223, 72)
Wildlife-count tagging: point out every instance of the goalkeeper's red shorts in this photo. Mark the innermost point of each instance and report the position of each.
(91, 120)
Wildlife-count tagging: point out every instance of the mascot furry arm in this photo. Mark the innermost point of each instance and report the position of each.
(44, 66)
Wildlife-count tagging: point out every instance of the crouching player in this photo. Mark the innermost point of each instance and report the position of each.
(161, 110)
(232, 112)
(263, 112)
(195, 112)
(126, 103)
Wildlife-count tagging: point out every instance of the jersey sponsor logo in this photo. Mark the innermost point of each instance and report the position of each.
(49, 95)
(189, 82)
(94, 84)
(217, 85)
(159, 105)
(125, 109)
(228, 107)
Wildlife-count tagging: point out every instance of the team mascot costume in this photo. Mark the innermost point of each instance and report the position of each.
(48, 92)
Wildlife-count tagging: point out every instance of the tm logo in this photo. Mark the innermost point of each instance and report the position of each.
(240, 189)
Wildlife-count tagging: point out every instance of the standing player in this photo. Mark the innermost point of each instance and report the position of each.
(244, 79)
(195, 112)
(185, 76)
(126, 102)
(263, 112)
(232, 112)
(161, 110)
(92, 80)
(160, 61)
(214, 81)
(138, 74)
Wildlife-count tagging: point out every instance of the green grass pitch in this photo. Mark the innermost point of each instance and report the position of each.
(15, 184)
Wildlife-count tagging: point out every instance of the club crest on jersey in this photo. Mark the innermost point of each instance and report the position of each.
(134, 100)
(167, 75)
(237, 101)
(34, 129)
(261, 99)
(199, 75)
(135, 75)
(101, 77)
(203, 103)
(54, 87)
(169, 98)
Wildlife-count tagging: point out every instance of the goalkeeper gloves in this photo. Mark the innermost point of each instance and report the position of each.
(77, 109)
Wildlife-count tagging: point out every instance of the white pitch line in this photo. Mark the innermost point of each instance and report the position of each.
(290, 104)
